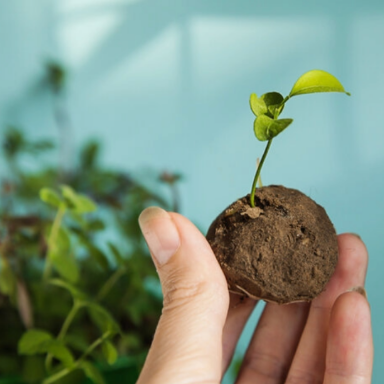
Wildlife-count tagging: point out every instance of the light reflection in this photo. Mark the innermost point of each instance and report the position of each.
(80, 38)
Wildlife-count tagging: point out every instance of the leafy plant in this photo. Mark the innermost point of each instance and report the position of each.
(269, 106)
(78, 290)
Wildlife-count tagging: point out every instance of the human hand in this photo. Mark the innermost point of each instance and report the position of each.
(326, 341)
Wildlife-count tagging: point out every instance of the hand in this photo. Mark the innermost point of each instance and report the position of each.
(327, 341)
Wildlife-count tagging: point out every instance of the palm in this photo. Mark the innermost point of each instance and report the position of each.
(301, 343)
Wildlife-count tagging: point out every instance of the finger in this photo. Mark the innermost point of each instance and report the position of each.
(273, 344)
(240, 308)
(350, 347)
(309, 362)
(188, 340)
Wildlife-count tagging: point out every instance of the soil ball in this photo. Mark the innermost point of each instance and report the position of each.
(284, 250)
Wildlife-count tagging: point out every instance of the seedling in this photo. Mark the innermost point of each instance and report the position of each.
(269, 106)
(278, 245)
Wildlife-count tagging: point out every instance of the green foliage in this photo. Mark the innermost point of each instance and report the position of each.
(36, 341)
(49, 196)
(316, 81)
(269, 106)
(32, 340)
(110, 352)
(267, 128)
(71, 240)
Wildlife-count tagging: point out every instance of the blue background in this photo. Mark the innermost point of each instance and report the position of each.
(165, 84)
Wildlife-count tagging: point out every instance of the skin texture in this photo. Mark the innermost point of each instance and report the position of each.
(326, 341)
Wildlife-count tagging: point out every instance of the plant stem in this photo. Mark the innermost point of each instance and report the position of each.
(108, 285)
(77, 364)
(52, 240)
(68, 321)
(57, 376)
(63, 331)
(258, 172)
(93, 346)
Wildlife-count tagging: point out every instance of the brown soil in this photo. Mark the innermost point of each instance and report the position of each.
(284, 250)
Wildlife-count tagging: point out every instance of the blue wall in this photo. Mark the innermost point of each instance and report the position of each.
(165, 84)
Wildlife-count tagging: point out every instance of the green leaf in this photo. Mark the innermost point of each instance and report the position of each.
(266, 128)
(62, 241)
(76, 293)
(92, 372)
(36, 341)
(50, 197)
(58, 350)
(316, 81)
(258, 106)
(269, 104)
(84, 204)
(110, 352)
(78, 203)
(102, 318)
(65, 265)
(31, 341)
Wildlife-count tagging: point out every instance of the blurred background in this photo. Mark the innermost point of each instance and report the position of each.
(163, 86)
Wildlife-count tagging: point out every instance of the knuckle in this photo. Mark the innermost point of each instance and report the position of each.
(179, 292)
(266, 365)
(303, 377)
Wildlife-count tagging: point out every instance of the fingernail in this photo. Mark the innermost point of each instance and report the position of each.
(355, 234)
(160, 233)
(360, 290)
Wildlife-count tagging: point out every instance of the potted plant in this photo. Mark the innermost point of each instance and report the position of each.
(276, 243)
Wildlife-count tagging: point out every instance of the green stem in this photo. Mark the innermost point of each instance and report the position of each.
(57, 376)
(77, 364)
(94, 345)
(52, 240)
(63, 331)
(110, 283)
(68, 321)
(258, 172)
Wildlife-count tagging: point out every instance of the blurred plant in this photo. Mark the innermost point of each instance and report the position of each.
(77, 286)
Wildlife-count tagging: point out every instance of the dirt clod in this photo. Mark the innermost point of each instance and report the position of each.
(284, 250)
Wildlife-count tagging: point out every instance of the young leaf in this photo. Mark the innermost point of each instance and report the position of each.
(316, 81)
(62, 242)
(57, 349)
(76, 293)
(258, 106)
(31, 341)
(266, 128)
(78, 203)
(65, 265)
(102, 318)
(36, 341)
(273, 102)
(92, 372)
(268, 104)
(109, 352)
(49, 196)
(84, 204)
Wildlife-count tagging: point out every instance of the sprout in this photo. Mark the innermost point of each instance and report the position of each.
(269, 106)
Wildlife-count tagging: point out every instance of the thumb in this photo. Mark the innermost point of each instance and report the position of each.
(187, 346)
